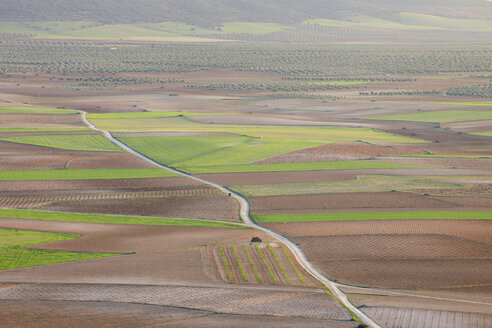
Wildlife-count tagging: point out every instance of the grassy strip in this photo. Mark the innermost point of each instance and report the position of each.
(297, 166)
(239, 263)
(14, 255)
(87, 142)
(259, 278)
(465, 103)
(35, 110)
(486, 134)
(226, 263)
(265, 262)
(362, 216)
(281, 267)
(444, 156)
(84, 174)
(293, 264)
(112, 219)
(363, 183)
(441, 116)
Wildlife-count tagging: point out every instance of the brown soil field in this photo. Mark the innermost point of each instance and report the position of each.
(207, 205)
(252, 178)
(472, 126)
(351, 201)
(478, 230)
(461, 163)
(29, 201)
(265, 120)
(95, 186)
(16, 156)
(41, 118)
(281, 268)
(441, 309)
(398, 254)
(288, 303)
(30, 133)
(479, 191)
(158, 254)
(48, 314)
(344, 151)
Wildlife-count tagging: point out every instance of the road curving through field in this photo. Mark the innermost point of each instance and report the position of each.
(244, 214)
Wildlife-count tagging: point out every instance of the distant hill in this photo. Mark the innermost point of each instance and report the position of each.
(211, 13)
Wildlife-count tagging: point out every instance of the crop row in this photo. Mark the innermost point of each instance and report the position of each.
(284, 59)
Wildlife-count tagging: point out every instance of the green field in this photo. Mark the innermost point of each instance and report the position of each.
(112, 219)
(464, 103)
(41, 127)
(478, 25)
(362, 216)
(88, 142)
(14, 255)
(83, 174)
(296, 166)
(363, 183)
(35, 110)
(148, 31)
(487, 134)
(443, 116)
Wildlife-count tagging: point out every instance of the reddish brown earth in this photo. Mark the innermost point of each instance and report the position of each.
(16, 156)
(352, 201)
(42, 118)
(231, 179)
(461, 163)
(398, 254)
(205, 205)
(48, 314)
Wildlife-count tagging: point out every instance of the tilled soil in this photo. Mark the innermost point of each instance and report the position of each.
(207, 205)
(79, 314)
(350, 201)
(16, 156)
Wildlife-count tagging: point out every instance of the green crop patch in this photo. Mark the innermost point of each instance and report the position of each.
(464, 103)
(363, 183)
(87, 142)
(296, 166)
(112, 219)
(15, 255)
(486, 134)
(442, 116)
(84, 174)
(363, 216)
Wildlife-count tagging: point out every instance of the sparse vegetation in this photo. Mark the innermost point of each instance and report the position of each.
(226, 263)
(293, 264)
(240, 265)
(258, 276)
(279, 264)
(265, 262)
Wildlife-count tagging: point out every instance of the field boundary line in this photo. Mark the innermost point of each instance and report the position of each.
(244, 214)
(415, 295)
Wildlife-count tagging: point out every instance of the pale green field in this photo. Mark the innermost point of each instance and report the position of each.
(487, 134)
(478, 25)
(88, 142)
(364, 21)
(363, 183)
(14, 255)
(83, 174)
(464, 103)
(111, 219)
(133, 115)
(150, 31)
(296, 166)
(362, 216)
(443, 116)
(35, 110)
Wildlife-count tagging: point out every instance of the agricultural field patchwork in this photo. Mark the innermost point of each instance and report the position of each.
(87, 142)
(441, 116)
(83, 174)
(15, 254)
(363, 216)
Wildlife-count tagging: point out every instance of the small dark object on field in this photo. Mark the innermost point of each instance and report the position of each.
(256, 240)
(362, 326)
(437, 141)
(229, 194)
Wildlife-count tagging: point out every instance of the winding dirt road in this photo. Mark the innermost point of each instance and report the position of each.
(244, 214)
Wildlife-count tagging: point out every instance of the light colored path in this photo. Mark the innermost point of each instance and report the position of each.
(244, 214)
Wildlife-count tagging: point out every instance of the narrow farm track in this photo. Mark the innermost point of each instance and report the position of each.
(244, 214)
